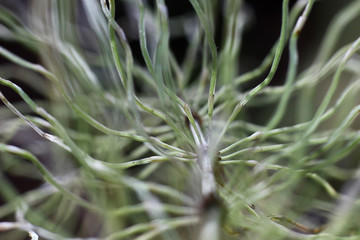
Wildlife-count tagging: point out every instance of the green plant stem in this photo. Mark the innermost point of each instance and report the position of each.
(257, 89)
(292, 69)
(212, 46)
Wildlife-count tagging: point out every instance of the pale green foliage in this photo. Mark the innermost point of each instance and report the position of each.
(163, 150)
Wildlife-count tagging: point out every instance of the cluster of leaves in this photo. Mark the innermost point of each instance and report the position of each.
(157, 148)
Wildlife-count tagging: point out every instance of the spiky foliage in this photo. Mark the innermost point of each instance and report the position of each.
(154, 147)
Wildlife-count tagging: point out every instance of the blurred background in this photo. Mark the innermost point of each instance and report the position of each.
(262, 29)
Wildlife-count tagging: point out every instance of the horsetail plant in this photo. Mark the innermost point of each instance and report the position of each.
(126, 140)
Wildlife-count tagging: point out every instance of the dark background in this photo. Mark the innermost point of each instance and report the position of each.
(261, 32)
